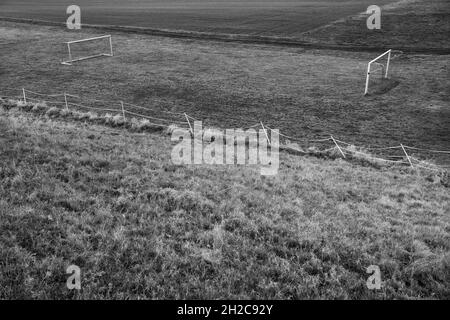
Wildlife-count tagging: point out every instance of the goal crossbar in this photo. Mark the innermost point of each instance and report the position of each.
(388, 53)
(71, 60)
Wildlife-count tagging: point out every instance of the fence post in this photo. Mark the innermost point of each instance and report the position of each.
(189, 123)
(366, 90)
(110, 46)
(65, 99)
(407, 156)
(339, 148)
(70, 53)
(388, 62)
(123, 110)
(265, 132)
(24, 95)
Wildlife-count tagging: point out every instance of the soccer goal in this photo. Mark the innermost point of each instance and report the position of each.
(384, 68)
(84, 49)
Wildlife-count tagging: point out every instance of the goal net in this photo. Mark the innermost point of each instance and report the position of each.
(84, 49)
(378, 70)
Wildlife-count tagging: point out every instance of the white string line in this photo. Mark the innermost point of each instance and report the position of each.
(306, 151)
(168, 120)
(363, 153)
(297, 139)
(319, 140)
(117, 112)
(92, 99)
(146, 117)
(126, 103)
(94, 108)
(385, 148)
(436, 168)
(150, 109)
(377, 159)
(153, 118)
(326, 150)
(281, 134)
(43, 94)
(368, 148)
(101, 109)
(292, 148)
(177, 113)
(192, 117)
(253, 126)
(155, 124)
(223, 118)
(423, 162)
(429, 150)
(428, 168)
(105, 101)
(46, 101)
(10, 97)
(227, 117)
(7, 88)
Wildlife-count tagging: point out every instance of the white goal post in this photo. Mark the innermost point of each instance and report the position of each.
(71, 60)
(369, 68)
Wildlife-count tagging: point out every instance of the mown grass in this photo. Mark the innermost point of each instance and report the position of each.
(405, 24)
(274, 18)
(139, 227)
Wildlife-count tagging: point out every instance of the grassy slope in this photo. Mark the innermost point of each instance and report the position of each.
(407, 23)
(112, 203)
(305, 93)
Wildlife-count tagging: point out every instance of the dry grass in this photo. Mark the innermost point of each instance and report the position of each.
(140, 227)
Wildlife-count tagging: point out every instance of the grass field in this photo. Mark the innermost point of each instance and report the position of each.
(75, 191)
(253, 17)
(407, 23)
(110, 202)
(305, 93)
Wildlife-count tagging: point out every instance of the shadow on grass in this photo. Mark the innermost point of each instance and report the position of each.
(382, 86)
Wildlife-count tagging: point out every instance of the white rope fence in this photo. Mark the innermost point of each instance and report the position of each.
(347, 150)
(343, 148)
(120, 104)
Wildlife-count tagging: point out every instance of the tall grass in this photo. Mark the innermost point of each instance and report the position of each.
(140, 227)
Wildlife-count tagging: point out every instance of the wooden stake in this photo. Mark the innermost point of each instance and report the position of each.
(339, 148)
(189, 123)
(265, 132)
(366, 90)
(65, 99)
(24, 95)
(110, 46)
(123, 110)
(407, 156)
